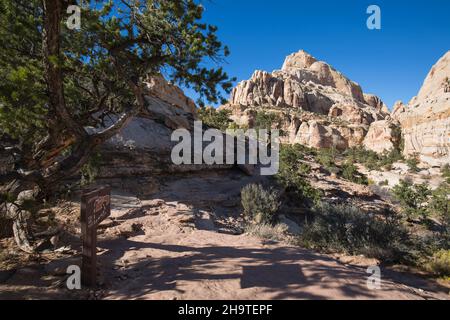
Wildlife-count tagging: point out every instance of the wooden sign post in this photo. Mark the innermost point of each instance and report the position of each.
(95, 207)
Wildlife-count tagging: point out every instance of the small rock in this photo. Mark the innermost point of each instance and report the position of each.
(186, 219)
(54, 240)
(293, 227)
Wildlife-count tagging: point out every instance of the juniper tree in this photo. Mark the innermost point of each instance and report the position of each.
(55, 82)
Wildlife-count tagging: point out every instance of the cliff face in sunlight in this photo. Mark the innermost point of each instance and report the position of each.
(425, 121)
(318, 105)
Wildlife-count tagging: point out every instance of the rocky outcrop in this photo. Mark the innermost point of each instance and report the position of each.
(426, 121)
(318, 105)
(307, 68)
(376, 102)
(143, 148)
(383, 135)
(397, 110)
(318, 135)
(158, 87)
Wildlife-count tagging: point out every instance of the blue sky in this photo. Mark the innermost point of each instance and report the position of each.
(391, 62)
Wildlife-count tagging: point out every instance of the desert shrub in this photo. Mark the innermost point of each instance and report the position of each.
(259, 204)
(439, 203)
(413, 198)
(350, 172)
(372, 160)
(345, 228)
(291, 175)
(305, 150)
(445, 171)
(413, 163)
(266, 120)
(5, 222)
(327, 157)
(300, 188)
(267, 231)
(387, 159)
(439, 263)
(383, 183)
(290, 155)
(368, 158)
(213, 118)
(304, 168)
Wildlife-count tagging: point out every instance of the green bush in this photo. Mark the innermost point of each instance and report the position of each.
(445, 170)
(259, 204)
(439, 263)
(290, 155)
(439, 203)
(372, 160)
(369, 158)
(213, 118)
(387, 159)
(347, 229)
(413, 198)
(267, 231)
(350, 172)
(267, 121)
(413, 163)
(327, 157)
(291, 174)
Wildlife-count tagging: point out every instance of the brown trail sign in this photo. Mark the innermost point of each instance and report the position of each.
(95, 207)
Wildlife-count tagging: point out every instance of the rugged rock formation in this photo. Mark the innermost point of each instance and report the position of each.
(160, 88)
(383, 136)
(376, 102)
(398, 108)
(426, 121)
(143, 148)
(318, 105)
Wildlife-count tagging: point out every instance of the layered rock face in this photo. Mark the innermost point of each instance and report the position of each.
(171, 94)
(383, 136)
(318, 105)
(143, 148)
(425, 121)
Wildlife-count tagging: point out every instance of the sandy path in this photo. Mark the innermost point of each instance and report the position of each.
(178, 254)
(207, 265)
(169, 247)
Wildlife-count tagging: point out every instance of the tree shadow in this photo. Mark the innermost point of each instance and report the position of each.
(275, 273)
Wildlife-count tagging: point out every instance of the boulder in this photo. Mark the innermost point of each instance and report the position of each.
(382, 136)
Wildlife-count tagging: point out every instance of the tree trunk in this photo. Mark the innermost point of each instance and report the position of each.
(22, 233)
(21, 230)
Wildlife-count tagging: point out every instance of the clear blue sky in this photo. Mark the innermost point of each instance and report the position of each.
(391, 62)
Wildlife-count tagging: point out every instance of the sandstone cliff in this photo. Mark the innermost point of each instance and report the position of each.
(318, 105)
(143, 148)
(425, 121)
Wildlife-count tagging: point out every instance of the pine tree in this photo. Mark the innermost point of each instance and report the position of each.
(54, 81)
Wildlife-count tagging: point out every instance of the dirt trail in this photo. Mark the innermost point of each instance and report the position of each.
(179, 251)
(207, 265)
(180, 244)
